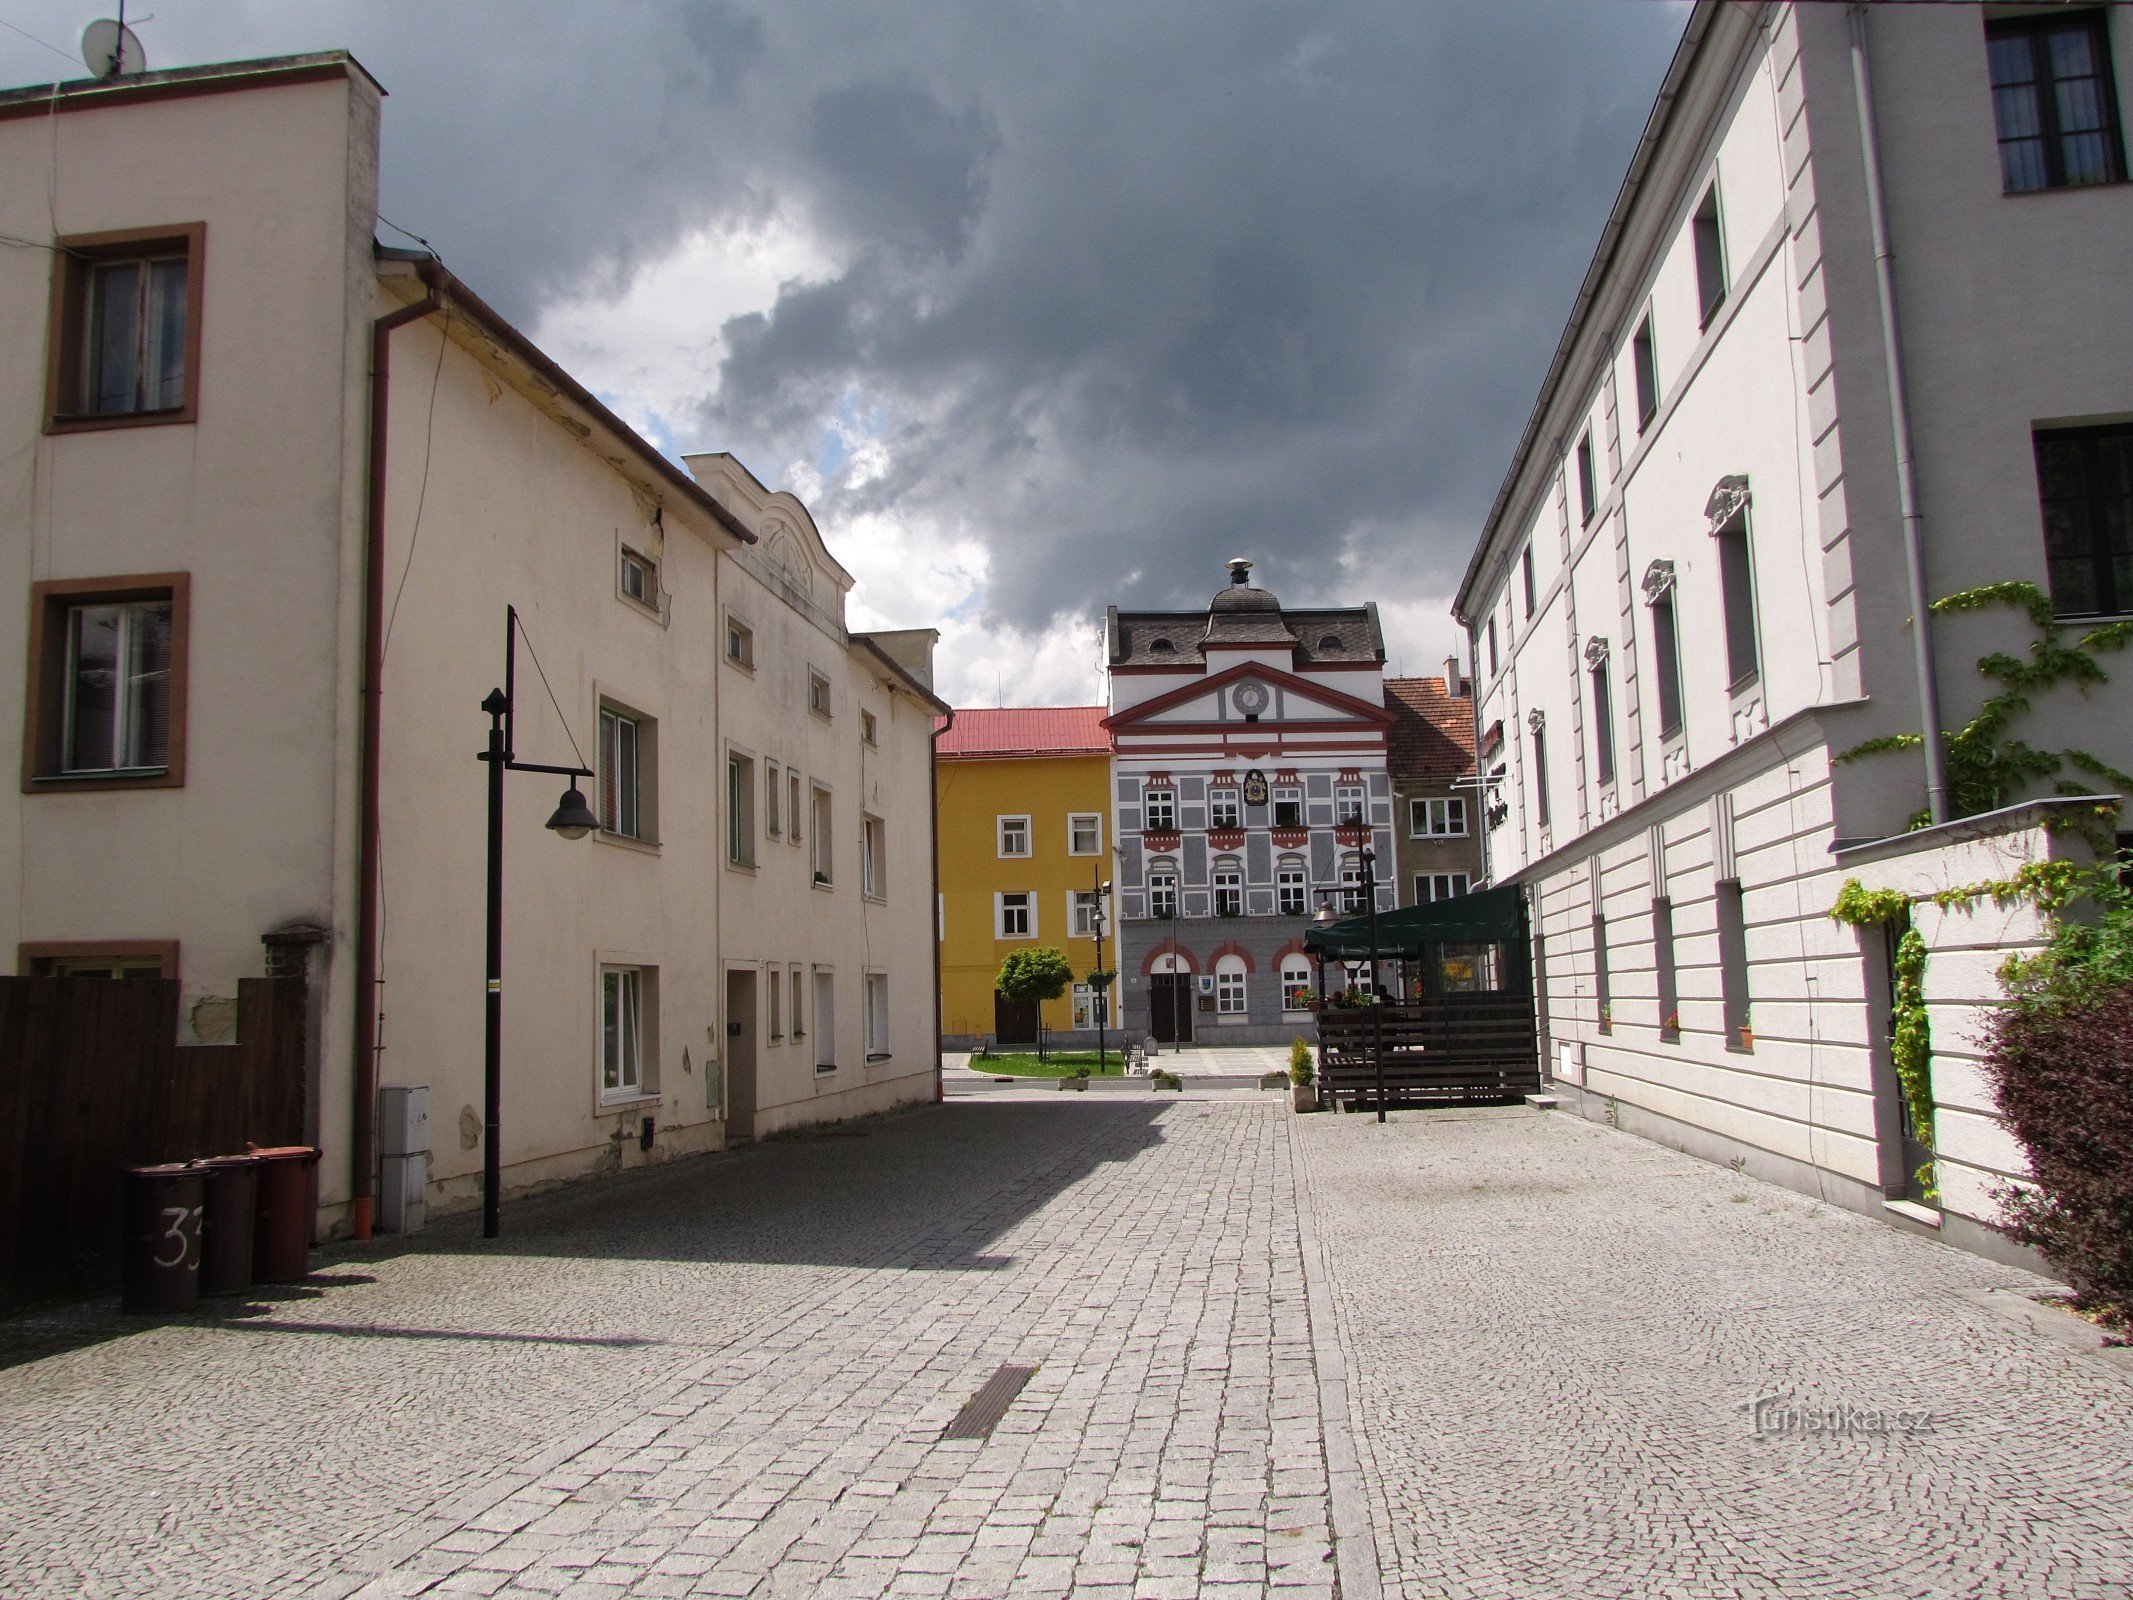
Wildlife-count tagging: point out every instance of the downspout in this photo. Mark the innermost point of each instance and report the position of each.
(933, 796)
(1914, 559)
(363, 1128)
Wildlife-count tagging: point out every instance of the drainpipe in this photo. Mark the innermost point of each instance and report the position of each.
(1914, 559)
(363, 1131)
(933, 800)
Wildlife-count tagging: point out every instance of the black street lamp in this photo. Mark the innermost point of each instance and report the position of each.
(1101, 896)
(573, 819)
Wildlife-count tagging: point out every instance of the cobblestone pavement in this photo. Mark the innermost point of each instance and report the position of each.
(1554, 1330)
(730, 1377)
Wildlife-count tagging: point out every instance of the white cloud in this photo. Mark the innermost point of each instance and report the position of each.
(654, 346)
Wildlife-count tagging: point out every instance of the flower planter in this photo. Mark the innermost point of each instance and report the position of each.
(1304, 1096)
(1747, 1037)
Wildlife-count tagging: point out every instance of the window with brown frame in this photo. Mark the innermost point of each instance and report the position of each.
(107, 683)
(98, 958)
(124, 347)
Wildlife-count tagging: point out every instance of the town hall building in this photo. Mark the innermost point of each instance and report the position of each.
(1249, 777)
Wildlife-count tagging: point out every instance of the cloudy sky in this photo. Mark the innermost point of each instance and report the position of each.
(1040, 304)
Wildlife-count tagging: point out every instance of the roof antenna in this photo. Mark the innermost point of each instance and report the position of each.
(110, 49)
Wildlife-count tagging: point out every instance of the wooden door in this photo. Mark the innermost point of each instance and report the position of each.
(1171, 997)
(740, 1056)
(1014, 1021)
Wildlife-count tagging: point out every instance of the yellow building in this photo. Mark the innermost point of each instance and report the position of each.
(1025, 842)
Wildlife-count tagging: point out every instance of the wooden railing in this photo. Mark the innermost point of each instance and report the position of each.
(1458, 1048)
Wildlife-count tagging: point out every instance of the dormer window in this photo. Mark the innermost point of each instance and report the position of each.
(1161, 647)
(1329, 641)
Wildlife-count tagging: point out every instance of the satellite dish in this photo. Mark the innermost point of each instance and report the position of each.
(110, 49)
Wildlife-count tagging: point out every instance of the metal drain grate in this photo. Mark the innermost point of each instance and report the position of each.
(982, 1412)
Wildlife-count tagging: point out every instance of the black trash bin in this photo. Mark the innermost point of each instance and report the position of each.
(232, 1198)
(161, 1264)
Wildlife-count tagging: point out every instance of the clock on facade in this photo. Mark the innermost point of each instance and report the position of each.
(1249, 698)
(1255, 788)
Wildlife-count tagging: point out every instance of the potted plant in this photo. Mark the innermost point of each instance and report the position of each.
(1303, 1092)
(1747, 1031)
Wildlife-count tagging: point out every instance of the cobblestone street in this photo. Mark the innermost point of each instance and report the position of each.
(731, 1377)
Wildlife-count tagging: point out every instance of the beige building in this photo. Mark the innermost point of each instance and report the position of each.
(264, 464)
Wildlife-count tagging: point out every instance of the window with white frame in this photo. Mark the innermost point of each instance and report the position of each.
(1295, 982)
(796, 993)
(818, 694)
(1290, 886)
(621, 1032)
(772, 785)
(1163, 890)
(873, 858)
(1014, 916)
(1224, 809)
(776, 1008)
(1014, 835)
(1349, 803)
(740, 810)
(116, 700)
(1288, 807)
(1434, 886)
(818, 818)
(639, 578)
(1352, 886)
(1437, 819)
(1087, 908)
(740, 643)
(792, 805)
(825, 1021)
(1229, 986)
(1160, 813)
(1085, 833)
(1229, 890)
(869, 729)
(877, 1016)
(627, 760)
(1088, 1007)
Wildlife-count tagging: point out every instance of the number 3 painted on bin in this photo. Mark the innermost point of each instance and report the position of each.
(178, 1217)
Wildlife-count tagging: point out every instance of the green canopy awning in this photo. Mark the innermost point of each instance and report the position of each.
(1484, 917)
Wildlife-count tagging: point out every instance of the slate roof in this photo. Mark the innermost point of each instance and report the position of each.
(1028, 731)
(1349, 634)
(1432, 736)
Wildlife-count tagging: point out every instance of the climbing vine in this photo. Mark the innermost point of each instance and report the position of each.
(1988, 765)
(1911, 1044)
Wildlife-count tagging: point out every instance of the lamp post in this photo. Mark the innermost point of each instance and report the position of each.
(1101, 894)
(573, 819)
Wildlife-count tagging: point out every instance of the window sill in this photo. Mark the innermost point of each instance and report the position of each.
(643, 608)
(625, 1100)
(629, 841)
(876, 1058)
(824, 1068)
(116, 778)
(747, 667)
(746, 867)
(125, 419)
(823, 884)
(873, 899)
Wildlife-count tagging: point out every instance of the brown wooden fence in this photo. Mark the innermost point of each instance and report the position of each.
(92, 1080)
(1453, 1048)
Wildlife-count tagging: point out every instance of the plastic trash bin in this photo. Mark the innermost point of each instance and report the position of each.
(160, 1267)
(231, 1184)
(288, 1202)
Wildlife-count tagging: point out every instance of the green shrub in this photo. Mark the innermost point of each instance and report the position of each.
(1301, 1068)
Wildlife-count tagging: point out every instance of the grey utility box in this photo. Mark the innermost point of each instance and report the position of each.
(404, 1120)
(404, 1159)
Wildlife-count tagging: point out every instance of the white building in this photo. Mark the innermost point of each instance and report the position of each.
(1693, 592)
(1249, 775)
(296, 478)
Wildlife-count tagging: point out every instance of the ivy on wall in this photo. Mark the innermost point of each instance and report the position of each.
(1988, 765)
(1911, 1039)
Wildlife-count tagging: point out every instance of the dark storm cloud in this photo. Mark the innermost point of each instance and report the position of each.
(1132, 287)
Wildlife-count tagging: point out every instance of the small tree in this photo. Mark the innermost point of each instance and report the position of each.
(1039, 974)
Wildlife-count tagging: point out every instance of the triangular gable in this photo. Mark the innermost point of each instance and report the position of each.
(1333, 699)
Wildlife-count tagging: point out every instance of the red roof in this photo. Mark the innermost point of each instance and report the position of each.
(1432, 735)
(1028, 731)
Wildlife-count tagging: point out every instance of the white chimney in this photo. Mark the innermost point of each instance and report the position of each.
(1451, 676)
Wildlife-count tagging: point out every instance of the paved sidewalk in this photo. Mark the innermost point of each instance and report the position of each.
(1554, 1331)
(1493, 1355)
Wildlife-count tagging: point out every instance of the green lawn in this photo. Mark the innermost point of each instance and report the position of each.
(1059, 1064)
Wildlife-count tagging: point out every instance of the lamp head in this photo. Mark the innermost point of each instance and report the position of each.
(573, 818)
